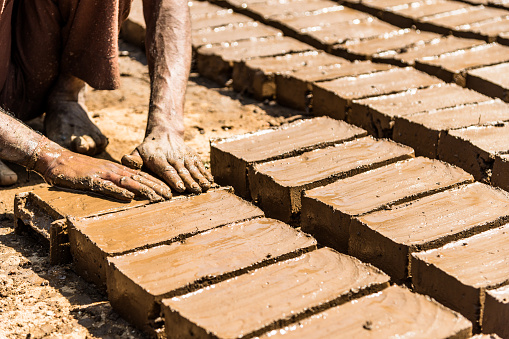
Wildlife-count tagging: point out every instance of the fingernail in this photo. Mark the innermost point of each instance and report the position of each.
(181, 186)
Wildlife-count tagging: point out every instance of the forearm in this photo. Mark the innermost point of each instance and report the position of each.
(168, 44)
(18, 142)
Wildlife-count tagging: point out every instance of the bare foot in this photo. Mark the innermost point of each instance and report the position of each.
(7, 176)
(67, 122)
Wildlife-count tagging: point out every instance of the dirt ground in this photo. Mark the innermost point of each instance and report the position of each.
(40, 301)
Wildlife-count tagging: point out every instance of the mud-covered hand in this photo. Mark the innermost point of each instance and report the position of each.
(166, 154)
(61, 167)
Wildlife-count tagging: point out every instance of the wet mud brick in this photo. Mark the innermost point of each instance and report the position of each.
(333, 98)
(272, 296)
(434, 48)
(387, 238)
(387, 44)
(377, 114)
(455, 21)
(424, 131)
(491, 80)
(458, 274)
(392, 313)
(474, 148)
(219, 20)
(327, 211)
(453, 67)
(342, 32)
(137, 281)
(293, 89)
(489, 30)
(276, 186)
(496, 312)
(294, 25)
(232, 33)
(258, 76)
(408, 15)
(273, 9)
(201, 9)
(500, 172)
(230, 158)
(93, 240)
(377, 7)
(45, 209)
(216, 62)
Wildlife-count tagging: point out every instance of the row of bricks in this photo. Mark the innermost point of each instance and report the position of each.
(338, 89)
(441, 16)
(360, 196)
(216, 267)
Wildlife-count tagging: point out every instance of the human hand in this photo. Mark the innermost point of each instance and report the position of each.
(165, 153)
(61, 167)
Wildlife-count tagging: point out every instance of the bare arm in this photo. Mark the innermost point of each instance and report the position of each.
(168, 44)
(61, 167)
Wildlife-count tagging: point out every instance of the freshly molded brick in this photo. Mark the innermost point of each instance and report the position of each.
(496, 312)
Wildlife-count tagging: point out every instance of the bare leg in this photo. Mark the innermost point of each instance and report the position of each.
(67, 121)
(7, 176)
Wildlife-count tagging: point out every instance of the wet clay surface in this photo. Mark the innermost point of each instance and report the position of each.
(464, 17)
(492, 139)
(386, 238)
(371, 190)
(219, 20)
(288, 139)
(490, 80)
(375, 84)
(276, 9)
(393, 312)
(232, 33)
(496, 311)
(360, 154)
(437, 47)
(282, 291)
(303, 23)
(429, 8)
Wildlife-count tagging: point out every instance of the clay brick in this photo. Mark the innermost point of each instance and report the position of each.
(496, 312)
(490, 80)
(219, 20)
(276, 186)
(503, 38)
(44, 210)
(272, 296)
(95, 239)
(459, 273)
(333, 98)
(216, 62)
(392, 313)
(293, 89)
(489, 30)
(200, 9)
(474, 148)
(327, 211)
(377, 114)
(304, 23)
(424, 131)
(274, 9)
(452, 67)
(138, 281)
(436, 47)
(406, 16)
(454, 21)
(342, 32)
(230, 158)
(232, 33)
(387, 238)
(499, 176)
(378, 7)
(258, 76)
(382, 46)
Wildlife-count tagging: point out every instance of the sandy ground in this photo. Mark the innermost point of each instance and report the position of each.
(40, 301)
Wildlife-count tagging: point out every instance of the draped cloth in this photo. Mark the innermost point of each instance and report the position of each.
(40, 39)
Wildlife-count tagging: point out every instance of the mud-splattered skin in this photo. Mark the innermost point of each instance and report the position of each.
(61, 167)
(168, 44)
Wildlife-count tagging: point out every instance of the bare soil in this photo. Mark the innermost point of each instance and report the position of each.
(41, 301)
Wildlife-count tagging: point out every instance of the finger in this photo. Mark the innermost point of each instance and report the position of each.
(197, 176)
(204, 171)
(110, 189)
(184, 174)
(133, 160)
(138, 188)
(158, 187)
(161, 168)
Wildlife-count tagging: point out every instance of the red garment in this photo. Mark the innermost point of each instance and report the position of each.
(40, 39)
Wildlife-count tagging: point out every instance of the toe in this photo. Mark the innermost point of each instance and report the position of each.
(7, 176)
(84, 144)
